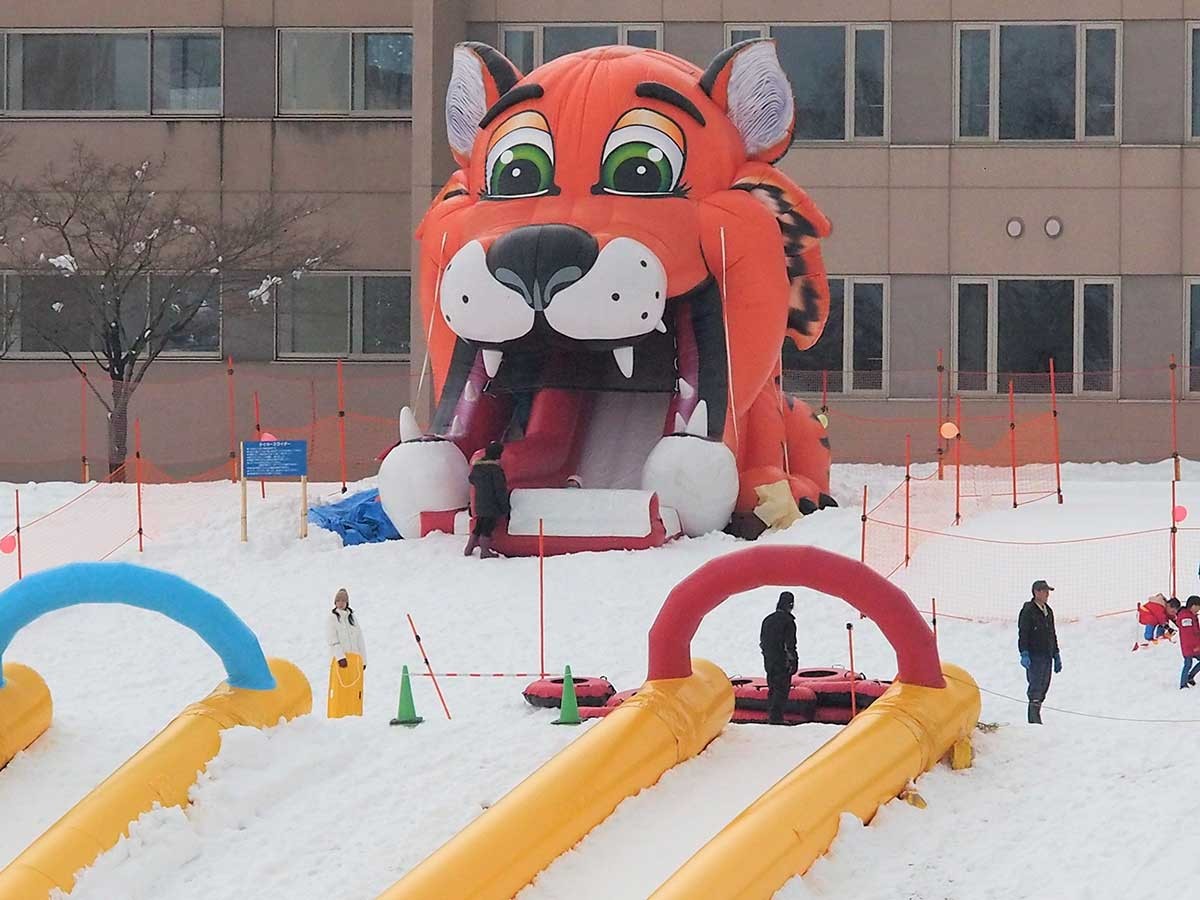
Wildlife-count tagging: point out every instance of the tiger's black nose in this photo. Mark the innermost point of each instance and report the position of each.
(538, 261)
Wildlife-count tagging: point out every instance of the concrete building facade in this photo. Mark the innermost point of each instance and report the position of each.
(1011, 181)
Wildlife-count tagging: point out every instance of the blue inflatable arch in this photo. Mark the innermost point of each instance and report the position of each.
(177, 599)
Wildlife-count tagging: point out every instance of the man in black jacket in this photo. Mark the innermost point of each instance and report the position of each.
(489, 496)
(1038, 644)
(777, 640)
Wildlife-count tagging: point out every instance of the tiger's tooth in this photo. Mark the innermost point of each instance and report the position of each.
(491, 362)
(470, 392)
(456, 427)
(624, 358)
(661, 327)
(409, 429)
(680, 424)
(698, 424)
(686, 391)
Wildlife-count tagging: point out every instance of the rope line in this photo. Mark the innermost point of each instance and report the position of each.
(1082, 715)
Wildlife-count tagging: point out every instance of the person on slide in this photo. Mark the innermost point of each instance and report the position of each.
(344, 636)
(777, 640)
(489, 500)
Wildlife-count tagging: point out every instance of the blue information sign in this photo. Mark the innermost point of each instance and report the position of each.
(272, 459)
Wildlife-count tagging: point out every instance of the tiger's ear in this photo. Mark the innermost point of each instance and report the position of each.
(481, 76)
(749, 84)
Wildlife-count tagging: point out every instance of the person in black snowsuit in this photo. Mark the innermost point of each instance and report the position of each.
(777, 640)
(489, 496)
(1037, 642)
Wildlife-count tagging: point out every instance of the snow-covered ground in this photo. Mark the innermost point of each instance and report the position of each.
(319, 809)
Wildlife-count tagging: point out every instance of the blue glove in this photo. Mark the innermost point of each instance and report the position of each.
(1025, 658)
(1057, 663)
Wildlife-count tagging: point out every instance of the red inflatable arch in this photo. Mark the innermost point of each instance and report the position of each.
(807, 567)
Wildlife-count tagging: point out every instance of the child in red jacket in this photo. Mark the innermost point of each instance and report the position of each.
(1156, 614)
(1188, 621)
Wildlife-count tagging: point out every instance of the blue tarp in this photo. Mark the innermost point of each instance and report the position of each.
(359, 519)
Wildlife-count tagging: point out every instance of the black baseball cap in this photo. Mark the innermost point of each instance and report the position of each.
(1040, 585)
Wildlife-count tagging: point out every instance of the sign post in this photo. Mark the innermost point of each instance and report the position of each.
(276, 459)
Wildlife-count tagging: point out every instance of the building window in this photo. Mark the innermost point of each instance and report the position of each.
(1009, 329)
(851, 354)
(1192, 312)
(838, 75)
(43, 315)
(1194, 82)
(528, 46)
(326, 72)
(111, 73)
(1044, 82)
(329, 316)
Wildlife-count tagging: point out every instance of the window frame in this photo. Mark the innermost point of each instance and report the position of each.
(1193, 25)
(850, 30)
(847, 371)
(15, 353)
(149, 113)
(537, 29)
(1081, 30)
(1190, 388)
(350, 112)
(1079, 282)
(354, 319)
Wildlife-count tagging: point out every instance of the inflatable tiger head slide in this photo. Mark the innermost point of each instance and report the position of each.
(607, 281)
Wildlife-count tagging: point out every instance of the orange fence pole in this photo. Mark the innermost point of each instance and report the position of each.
(1174, 539)
(20, 570)
(542, 596)
(341, 387)
(862, 551)
(1174, 417)
(1012, 438)
(137, 468)
(428, 667)
(233, 470)
(262, 482)
(907, 494)
(853, 674)
(958, 461)
(1054, 417)
(941, 442)
(83, 427)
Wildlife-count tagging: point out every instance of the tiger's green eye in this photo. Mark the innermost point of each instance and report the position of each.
(520, 171)
(637, 167)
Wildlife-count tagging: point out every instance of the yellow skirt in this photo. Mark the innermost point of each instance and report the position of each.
(346, 687)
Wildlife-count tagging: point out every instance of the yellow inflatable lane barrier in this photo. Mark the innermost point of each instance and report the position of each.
(667, 722)
(25, 710)
(870, 762)
(162, 772)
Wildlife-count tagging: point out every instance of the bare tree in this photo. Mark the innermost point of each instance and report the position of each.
(8, 310)
(135, 266)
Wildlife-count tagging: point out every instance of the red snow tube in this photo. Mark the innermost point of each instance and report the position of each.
(751, 694)
(599, 712)
(816, 695)
(547, 692)
(832, 687)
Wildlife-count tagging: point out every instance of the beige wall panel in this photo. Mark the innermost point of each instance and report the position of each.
(1191, 231)
(341, 13)
(577, 11)
(1143, 167)
(482, 11)
(1015, 10)
(248, 13)
(920, 326)
(1150, 233)
(1153, 9)
(190, 147)
(692, 10)
(1191, 9)
(373, 157)
(1191, 166)
(1151, 330)
(858, 245)
(922, 85)
(1025, 167)
(837, 165)
(919, 231)
(697, 42)
(920, 167)
(808, 11)
(377, 227)
(979, 244)
(108, 13)
(921, 10)
(246, 156)
(1154, 76)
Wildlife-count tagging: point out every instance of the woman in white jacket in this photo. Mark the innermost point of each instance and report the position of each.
(349, 649)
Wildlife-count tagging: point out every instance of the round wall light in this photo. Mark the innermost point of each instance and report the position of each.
(1015, 228)
(1054, 227)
